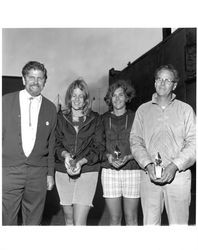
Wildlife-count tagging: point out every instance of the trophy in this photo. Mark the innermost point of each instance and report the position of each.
(71, 167)
(72, 162)
(117, 153)
(158, 166)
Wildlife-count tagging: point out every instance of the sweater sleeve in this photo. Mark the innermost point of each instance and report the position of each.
(59, 147)
(187, 155)
(137, 144)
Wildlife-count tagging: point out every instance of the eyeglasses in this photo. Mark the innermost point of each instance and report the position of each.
(166, 81)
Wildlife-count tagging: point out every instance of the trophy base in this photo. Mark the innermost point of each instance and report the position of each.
(158, 172)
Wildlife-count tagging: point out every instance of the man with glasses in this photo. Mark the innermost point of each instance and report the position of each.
(163, 143)
(28, 124)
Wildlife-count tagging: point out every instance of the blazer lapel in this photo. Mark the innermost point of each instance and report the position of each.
(42, 114)
(17, 112)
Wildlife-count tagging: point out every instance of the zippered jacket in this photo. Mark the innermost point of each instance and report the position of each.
(117, 132)
(170, 131)
(88, 143)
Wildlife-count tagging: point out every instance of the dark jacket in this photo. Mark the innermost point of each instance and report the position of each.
(43, 151)
(88, 142)
(117, 132)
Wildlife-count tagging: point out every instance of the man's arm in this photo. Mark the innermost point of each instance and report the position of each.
(51, 150)
(137, 143)
(187, 156)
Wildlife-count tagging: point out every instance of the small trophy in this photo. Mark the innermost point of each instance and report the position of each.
(72, 162)
(117, 152)
(158, 166)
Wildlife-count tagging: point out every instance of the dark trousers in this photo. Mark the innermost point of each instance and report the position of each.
(24, 186)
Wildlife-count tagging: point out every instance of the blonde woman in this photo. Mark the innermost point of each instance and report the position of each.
(79, 148)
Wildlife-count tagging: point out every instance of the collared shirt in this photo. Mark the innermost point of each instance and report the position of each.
(29, 119)
(171, 131)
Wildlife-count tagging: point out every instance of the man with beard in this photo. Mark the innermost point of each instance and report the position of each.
(28, 124)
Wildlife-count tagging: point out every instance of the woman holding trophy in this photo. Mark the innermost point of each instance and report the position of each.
(121, 173)
(79, 149)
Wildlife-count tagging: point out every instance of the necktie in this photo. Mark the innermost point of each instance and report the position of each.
(30, 103)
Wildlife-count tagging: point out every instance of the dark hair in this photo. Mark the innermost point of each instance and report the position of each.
(36, 66)
(169, 67)
(128, 89)
(81, 84)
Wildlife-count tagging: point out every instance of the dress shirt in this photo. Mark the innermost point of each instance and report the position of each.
(29, 130)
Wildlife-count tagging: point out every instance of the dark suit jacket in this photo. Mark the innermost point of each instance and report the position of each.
(43, 151)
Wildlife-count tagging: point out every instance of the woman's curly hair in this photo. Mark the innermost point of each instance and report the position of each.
(128, 89)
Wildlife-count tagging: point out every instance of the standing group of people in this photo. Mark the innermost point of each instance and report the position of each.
(78, 143)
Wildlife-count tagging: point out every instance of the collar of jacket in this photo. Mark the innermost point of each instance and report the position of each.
(89, 118)
(154, 98)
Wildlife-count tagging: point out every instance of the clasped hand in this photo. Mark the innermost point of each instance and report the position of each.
(72, 169)
(118, 163)
(168, 173)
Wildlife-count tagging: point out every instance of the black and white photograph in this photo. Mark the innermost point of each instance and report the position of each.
(98, 134)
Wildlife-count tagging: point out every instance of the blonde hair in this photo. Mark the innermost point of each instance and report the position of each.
(81, 84)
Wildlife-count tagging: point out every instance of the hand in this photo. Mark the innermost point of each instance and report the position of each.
(121, 162)
(118, 163)
(75, 170)
(79, 165)
(50, 182)
(114, 163)
(126, 158)
(151, 172)
(168, 174)
(68, 158)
